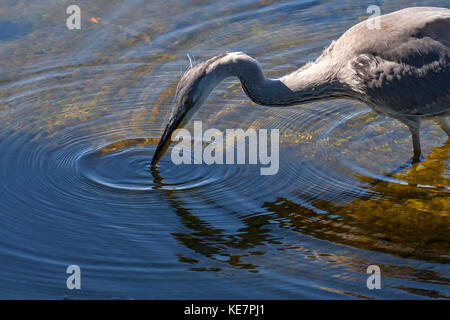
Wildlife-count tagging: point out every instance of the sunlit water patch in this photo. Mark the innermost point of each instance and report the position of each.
(81, 114)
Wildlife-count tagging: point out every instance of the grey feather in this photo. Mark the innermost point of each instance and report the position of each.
(401, 70)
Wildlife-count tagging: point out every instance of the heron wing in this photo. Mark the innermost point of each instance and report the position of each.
(410, 73)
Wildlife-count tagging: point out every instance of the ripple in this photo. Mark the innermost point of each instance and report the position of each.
(80, 120)
(123, 165)
(10, 30)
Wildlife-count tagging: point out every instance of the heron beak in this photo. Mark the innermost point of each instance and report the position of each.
(175, 122)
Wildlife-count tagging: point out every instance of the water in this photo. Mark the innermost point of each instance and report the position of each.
(81, 113)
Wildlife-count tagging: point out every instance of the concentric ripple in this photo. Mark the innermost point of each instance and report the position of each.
(81, 114)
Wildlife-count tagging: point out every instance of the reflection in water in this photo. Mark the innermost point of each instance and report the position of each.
(408, 217)
(417, 228)
(212, 242)
(81, 113)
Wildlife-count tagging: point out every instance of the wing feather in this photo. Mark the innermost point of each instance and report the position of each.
(408, 74)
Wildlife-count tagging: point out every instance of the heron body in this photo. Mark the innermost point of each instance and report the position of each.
(401, 69)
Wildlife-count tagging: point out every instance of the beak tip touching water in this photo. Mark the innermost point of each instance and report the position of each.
(153, 164)
(160, 149)
(165, 141)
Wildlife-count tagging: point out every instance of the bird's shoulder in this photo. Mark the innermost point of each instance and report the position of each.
(407, 69)
(399, 36)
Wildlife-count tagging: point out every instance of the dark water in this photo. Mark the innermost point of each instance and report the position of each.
(81, 112)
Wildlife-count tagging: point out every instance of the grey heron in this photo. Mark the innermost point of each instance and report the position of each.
(400, 69)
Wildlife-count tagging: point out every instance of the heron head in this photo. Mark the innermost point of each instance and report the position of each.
(192, 90)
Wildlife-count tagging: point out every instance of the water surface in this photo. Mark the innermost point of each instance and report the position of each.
(81, 113)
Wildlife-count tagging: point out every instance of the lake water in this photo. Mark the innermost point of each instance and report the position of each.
(81, 113)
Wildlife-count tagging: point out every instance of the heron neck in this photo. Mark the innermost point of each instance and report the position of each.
(315, 81)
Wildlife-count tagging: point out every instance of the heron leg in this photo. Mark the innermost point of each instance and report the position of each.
(417, 153)
(443, 122)
(414, 127)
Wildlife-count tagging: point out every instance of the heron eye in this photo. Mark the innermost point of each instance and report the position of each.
(188, 101)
